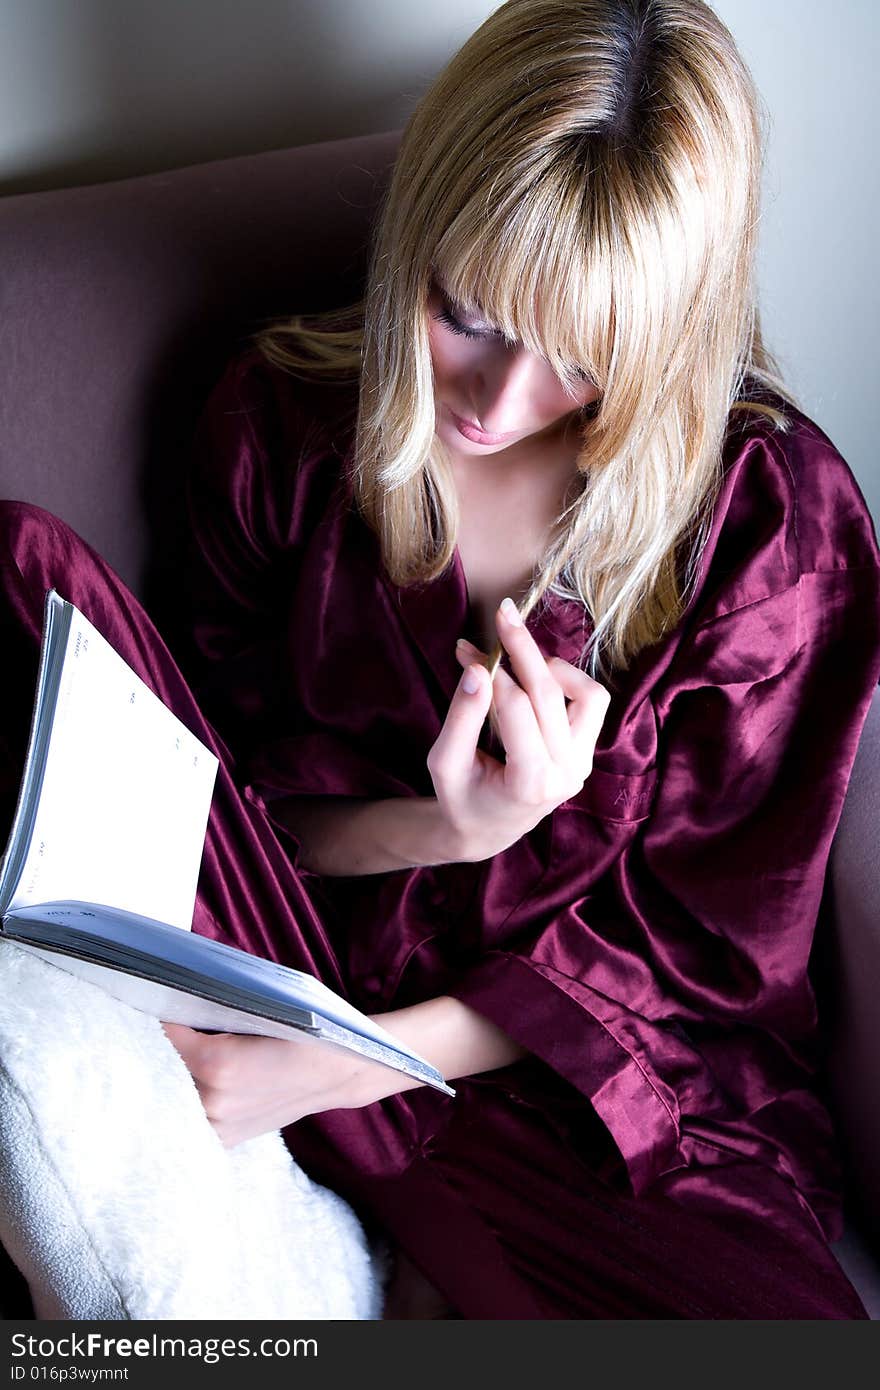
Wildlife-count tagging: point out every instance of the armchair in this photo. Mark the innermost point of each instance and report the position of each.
(121, 303)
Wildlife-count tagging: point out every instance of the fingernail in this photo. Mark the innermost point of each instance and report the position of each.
(463, 642)
(511, 612)
(470, 681)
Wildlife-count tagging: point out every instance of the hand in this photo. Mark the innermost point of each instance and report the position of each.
(549, 745)
(253, 1085)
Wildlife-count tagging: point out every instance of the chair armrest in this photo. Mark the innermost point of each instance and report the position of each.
(854, 1042)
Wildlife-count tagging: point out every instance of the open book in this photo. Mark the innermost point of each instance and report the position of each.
(100, 871)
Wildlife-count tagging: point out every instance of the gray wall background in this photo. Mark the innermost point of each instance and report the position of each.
(101, 89)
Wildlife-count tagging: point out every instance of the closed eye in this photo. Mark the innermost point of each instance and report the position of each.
(455, 325)
(451, 322)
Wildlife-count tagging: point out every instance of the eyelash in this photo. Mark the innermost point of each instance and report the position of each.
(453, 323)
(445, 317)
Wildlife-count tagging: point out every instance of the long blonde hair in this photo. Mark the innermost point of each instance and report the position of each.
(585, 174)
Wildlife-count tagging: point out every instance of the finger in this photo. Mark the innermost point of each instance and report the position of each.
(197, 1049)
(178, 1033)
(588, 700)
(186, 1041)
(536, 679)
(528, 758)
(490, 660)
(466, 652)
(452, 755)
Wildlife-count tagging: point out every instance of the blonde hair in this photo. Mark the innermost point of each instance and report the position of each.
(585, 174)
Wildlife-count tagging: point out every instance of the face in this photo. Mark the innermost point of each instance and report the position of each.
(491, 394)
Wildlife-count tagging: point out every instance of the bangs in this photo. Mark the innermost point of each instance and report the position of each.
(536, 265)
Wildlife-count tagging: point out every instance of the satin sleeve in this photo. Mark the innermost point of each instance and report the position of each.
(677, 986)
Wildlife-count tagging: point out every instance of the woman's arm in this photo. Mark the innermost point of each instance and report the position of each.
(457, 1039)
(342, 837)
(251, 1085)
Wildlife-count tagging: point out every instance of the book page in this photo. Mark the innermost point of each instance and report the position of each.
(125, 795)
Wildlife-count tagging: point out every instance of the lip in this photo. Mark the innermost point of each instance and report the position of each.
(478, 436)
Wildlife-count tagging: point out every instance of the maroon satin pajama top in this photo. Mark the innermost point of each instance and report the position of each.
(648, 941)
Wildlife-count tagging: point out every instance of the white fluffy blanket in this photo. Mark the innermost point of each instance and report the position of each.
(117, 1199)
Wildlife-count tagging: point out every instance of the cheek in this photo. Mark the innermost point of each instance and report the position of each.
(447, 358)
(552, 401)
(558, 400)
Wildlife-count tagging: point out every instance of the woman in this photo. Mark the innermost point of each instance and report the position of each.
(595, 913)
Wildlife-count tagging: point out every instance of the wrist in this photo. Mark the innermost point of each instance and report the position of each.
(428, 837)
(471, 846)
(455, 1038)
(464, 845)
(344, 1080)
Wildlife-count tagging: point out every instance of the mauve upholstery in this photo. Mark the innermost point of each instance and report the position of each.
(851, 954)
(119, 304)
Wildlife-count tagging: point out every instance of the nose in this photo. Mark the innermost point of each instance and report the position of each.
(502, 385)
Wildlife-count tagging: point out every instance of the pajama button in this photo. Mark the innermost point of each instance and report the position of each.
(372, 984)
